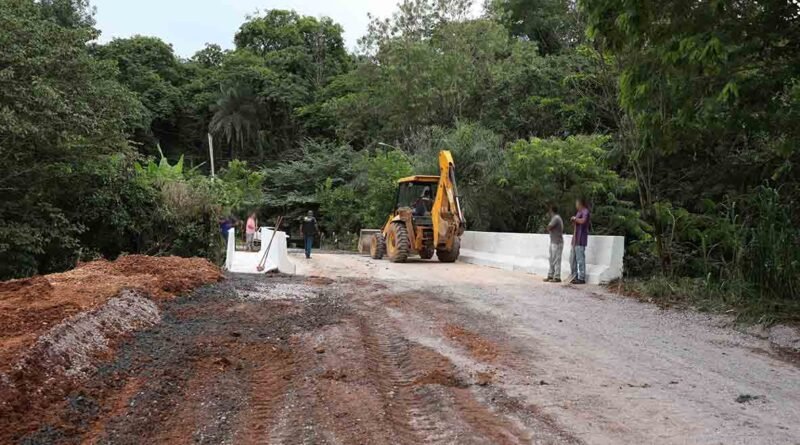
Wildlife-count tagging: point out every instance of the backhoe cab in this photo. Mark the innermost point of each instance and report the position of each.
(427, 218)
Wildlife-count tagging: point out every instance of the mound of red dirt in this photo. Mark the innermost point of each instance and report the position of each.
(31, 306)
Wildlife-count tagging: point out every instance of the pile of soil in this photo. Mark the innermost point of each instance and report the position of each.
(55, 330)
(32, 306)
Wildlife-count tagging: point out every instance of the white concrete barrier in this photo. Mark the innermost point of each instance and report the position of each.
(247, 262)
(529, 252)
(230, 248)
(365, 240)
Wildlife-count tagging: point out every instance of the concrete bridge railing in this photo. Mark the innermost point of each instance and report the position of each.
(529, 252)
(247, 262)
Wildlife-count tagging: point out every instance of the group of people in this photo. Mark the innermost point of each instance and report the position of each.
(308, 230)
(581, 223)
(250, 227)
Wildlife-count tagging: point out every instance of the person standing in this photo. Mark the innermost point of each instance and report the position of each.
(250, 231)
(309, 229)
(556, 229)
(225, 225)
(580, 238)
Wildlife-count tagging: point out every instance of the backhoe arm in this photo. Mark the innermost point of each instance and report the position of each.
(448, 219)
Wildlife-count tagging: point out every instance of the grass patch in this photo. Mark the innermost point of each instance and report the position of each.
(737, 298)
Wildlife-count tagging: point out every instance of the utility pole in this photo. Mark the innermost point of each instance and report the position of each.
(211, 152)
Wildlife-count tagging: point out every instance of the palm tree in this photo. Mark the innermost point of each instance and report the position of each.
(237, 117)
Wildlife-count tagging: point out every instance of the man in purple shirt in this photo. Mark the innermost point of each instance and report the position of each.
(580, 237)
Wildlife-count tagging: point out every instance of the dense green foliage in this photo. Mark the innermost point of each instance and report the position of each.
(62, 118)
(679, 122)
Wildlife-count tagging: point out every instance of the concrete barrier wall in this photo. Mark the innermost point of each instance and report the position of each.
(230, 249)
(247, 262)
(365, 240)
(529, 252)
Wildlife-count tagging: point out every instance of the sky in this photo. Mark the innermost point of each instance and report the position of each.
(189, 24)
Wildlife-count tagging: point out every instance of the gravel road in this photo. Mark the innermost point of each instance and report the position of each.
(603, 368)
(354, 351)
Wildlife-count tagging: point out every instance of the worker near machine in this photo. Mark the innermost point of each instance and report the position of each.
(309, 229)
(250, 231)
(580, 238)
(556, 229)
(424, 203)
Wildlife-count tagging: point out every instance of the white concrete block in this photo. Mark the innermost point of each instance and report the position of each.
(247, 262)
(529, 253)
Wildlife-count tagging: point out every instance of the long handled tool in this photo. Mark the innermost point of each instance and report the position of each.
(263, 261)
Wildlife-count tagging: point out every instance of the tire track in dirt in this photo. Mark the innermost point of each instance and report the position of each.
(429, 318)
(267, 386)
(200, 415)
(330, 364)
(387, 362)
(346, 405)
(427, 401)
(293, 424)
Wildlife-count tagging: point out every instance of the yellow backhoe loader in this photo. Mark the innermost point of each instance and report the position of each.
(427, 218)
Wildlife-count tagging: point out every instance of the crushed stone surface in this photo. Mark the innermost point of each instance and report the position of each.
(360, 351)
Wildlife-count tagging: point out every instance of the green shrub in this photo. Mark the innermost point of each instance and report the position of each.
(367, 200)
(557, 171)
(770, 247)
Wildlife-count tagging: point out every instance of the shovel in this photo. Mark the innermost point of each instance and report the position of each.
(263, 261)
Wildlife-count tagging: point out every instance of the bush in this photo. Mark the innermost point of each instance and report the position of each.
(771, 253)
(367, 200)
(740, 255)
(376, 184)
(478, 156)
(291, 185)
(558, 171)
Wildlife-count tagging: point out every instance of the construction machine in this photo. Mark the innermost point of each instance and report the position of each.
(427, 218)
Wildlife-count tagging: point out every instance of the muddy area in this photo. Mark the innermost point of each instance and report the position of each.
(284, 360)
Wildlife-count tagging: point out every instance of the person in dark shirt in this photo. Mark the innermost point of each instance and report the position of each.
(423, 204)
(309, 229)
(225, 224)
(580, 238)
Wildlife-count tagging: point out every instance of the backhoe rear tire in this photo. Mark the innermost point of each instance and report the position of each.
(426, 253)
(449, 256)
(377, 247)
(397, 245)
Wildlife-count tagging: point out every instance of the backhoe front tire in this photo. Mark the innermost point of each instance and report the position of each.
(449, 256)
(377, 247)
(397, 245)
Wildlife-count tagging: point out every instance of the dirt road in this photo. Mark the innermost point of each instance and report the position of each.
(354, 351)
(604, 368)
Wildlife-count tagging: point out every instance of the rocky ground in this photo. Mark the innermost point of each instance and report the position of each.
(354, 351)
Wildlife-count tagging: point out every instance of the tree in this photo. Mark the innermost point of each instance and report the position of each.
(211, 56)
(709, 87)
(62, 122)
(291, 185)
(69, 13)
(237, 118)
(308, 48)
(542, 172)
(148, 67)
(552, 24)
(422, 67)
